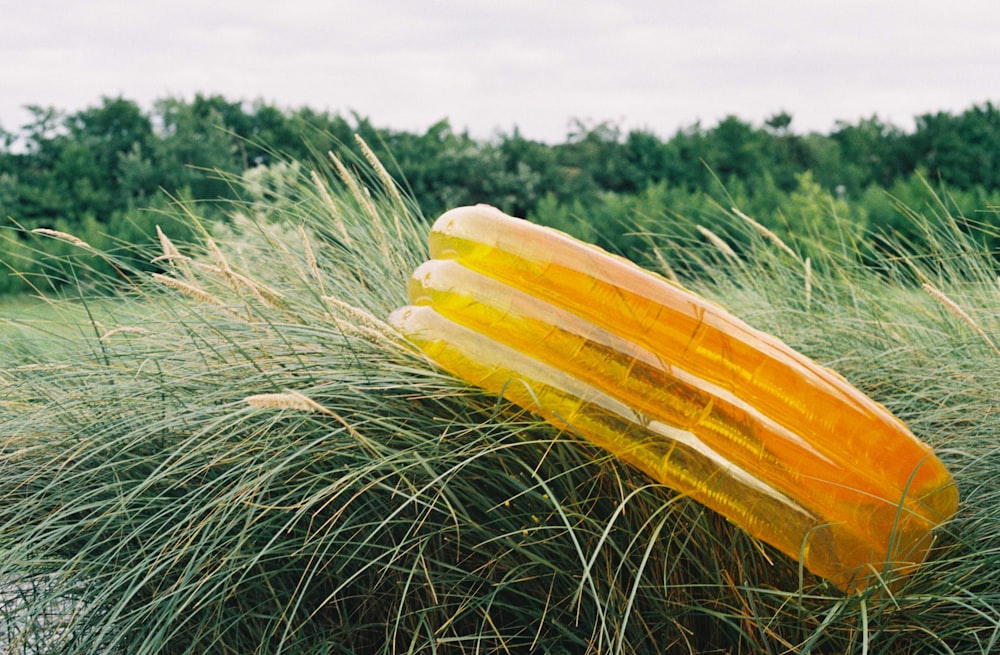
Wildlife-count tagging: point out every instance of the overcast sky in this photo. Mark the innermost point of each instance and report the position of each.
(493, 65)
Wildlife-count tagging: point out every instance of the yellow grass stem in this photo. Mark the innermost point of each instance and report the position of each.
(286, 400)
(324, 193)
(380, 170)
(76, 241)
(717, 241)
(296, 400)
(170, 251)
(359, 194)
(665, 266)
(188, 289)
(955, 310)
(808, 281)
(123, 330)
(365, 323)
(768, 234)
(311, 258)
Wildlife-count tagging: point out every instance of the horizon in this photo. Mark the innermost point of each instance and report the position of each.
(572, 122)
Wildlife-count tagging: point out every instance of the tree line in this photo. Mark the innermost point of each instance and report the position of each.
(97, 173)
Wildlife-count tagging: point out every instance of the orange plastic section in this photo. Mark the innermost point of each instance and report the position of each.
(676, 386)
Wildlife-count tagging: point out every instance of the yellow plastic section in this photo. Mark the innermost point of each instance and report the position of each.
(676, 386)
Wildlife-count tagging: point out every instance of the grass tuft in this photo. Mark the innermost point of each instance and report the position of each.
(242, 457)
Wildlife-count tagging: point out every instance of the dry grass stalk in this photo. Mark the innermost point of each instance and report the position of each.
(188, 289)
(170, 259)
(364, 322)
(288, 399)
(808, 276)
(768, 234)
(328, 199)
(324, 193)
(717, 241)
(170, 251)
(220, 262)
(393, 341)
(237, 281)
(261, 291)
(380, 170)
(291, 399)
(125, 329)
(359, 194)
(345, 175)
(220, 259)
(359, 313)
(76, 241)
(954, 309)
(171, 255)
(668, 271)
(311, 258)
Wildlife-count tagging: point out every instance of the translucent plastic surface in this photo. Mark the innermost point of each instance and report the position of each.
(673, 384)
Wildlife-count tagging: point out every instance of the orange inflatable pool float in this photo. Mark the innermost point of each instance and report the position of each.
(678, 387)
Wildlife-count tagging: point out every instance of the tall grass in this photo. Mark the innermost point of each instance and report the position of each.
(250, 461)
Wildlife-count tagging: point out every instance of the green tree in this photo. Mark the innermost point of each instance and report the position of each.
(597, 153)
(195, 139)
(962, 151)
(647, 157)
(786, 154)
(535, 161)
(733, 149)
(871, 151)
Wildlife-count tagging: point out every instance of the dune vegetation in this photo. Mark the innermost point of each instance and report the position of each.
(224, 448)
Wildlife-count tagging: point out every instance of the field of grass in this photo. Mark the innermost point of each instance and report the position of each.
(34, 327)
(23, 316)
(250, 460)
